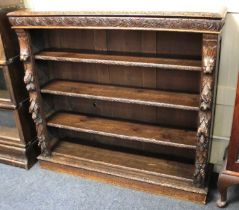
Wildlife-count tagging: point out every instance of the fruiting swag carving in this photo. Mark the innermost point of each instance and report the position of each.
(31, 86)
(206, 97)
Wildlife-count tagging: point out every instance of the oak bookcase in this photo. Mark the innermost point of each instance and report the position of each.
(18, 142)
(125, 99)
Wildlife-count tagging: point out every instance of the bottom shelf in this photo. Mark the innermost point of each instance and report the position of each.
(150, 174)
(18, 154)
(9, 133)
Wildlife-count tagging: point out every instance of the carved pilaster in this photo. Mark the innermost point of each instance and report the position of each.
(209, 56)
(32, 87)
(206, 95)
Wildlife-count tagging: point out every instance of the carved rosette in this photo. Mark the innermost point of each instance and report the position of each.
(205, 114)
(31, 86)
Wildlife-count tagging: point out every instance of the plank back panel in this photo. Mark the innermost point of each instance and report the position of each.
(152, 115)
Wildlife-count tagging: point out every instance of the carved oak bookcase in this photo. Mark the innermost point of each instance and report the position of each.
(18, 143)
(126, 99)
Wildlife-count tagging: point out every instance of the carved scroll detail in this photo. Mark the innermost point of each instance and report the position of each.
(31, 86)
(205, 113)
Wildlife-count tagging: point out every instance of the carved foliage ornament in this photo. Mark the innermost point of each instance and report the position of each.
(205, 113)
(203, 134)
(29, 80)
(121, 22)
(206, 93)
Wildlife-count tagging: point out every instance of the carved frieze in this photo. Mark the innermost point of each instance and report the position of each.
(155, 23)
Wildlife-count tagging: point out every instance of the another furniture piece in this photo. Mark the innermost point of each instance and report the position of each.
(125, 98)
(18, 142)
(230, 174)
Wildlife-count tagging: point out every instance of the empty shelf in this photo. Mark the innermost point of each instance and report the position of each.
(140, 61)
(123, 94)
(124, 130)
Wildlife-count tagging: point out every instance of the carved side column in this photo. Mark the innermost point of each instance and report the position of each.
(209, 58)
(32, 86)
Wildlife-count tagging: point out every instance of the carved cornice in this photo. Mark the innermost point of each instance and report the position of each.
(147, 23)
(31, 86)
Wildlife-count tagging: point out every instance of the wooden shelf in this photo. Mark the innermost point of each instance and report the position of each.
(123, 160)
(125, 169)
(7, 104)
(123, 94)
(154, 62)
(9, 133)
(4, 94)
(5, 101)
(124, 130)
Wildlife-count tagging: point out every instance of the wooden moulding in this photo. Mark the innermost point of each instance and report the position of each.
(24, 19)
(153, 62)
(127, 170)
(23, 157)
(7, 104)
(124, 130)
(123, 94)
(19, 147)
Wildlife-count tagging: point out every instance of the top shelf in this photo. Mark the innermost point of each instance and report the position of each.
(109, 59)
